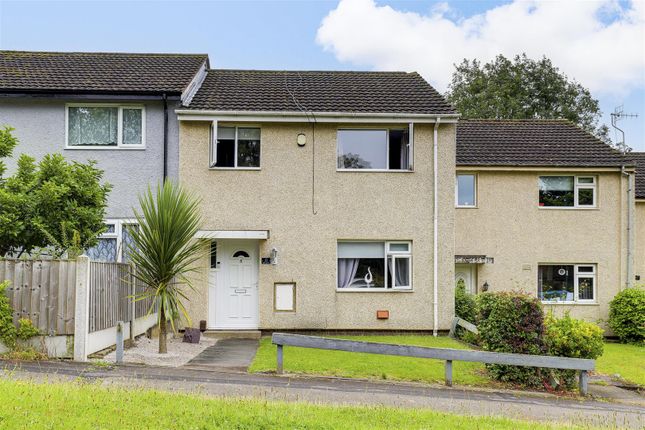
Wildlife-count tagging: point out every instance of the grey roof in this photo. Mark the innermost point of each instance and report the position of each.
(639, 159)
(536, 143)
(319, 91)
(97, 72)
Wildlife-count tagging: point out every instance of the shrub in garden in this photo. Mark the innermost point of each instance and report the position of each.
(512, 322)
(570, 337)
(465, 308)
(7, 329)
(627, 315)
(26, 329)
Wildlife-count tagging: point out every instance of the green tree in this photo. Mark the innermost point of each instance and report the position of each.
(523, 88)
(51, 204)
(165, 252)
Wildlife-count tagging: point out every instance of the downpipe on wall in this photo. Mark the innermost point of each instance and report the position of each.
(630, 226)
(435, 233)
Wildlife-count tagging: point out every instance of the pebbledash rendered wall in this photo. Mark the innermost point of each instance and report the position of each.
(509, 226)
(639, 242)
(348, 205)
(39, 125)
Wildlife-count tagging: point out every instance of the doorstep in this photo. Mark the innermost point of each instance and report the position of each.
(233, 334)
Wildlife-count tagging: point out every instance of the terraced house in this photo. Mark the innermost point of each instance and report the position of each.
(339, 200)
(117, 109)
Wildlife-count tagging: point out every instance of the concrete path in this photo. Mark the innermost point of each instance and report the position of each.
(226, 354)
(538, 407)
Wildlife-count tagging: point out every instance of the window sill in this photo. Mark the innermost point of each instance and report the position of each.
(373, 290)
(236, 168)
(375, 170)
(567, 208)
(466, 207)
(571, 303)
(106, 148)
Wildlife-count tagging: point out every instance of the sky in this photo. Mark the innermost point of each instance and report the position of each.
(601, 44)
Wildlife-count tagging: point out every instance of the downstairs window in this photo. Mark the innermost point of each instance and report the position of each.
(567, 283)
(115, 243)
(374, 265)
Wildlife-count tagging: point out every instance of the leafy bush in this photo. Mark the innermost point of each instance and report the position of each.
(512, 322)
(465, 308)
(26, 329)
(627, 315)
(465, 305)
(7, 328)
(570, 337)
(8, 331)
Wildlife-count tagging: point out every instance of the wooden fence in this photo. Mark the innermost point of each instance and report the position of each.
(42, 291)
(113, 288)
(449, 355)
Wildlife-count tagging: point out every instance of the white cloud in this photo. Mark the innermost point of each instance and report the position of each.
(599, 43)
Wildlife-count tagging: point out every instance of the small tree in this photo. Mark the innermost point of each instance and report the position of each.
(164, 251)
(523, 88)
(51, 204)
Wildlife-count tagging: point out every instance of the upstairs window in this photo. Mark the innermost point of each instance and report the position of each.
(567, 191)
(370, 149)
(466, 191)
(105, 126)
(236, 148)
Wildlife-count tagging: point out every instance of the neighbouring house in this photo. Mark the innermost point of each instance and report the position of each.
(639, 230)
(319, 203)
(544, 207)
(115, 108)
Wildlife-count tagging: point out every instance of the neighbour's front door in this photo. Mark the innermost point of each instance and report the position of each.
(465, 273)
(233, 292)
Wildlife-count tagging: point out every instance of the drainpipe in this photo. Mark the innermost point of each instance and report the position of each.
(165, 136)
(435, 232)
(630, 227)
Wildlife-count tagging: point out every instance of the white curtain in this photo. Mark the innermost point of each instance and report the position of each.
(347, 268)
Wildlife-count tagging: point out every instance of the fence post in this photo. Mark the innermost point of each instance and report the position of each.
(133, 308)
(582, 383)
(82, 308)
(280, 357)
(119, 342)
(449, 373)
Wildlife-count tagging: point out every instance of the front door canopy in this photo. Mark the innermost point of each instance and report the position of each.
(473, 259)
(232, 234)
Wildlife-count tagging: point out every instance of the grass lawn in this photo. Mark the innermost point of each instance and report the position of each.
(359, 365)
(28, 405)
(626, 360)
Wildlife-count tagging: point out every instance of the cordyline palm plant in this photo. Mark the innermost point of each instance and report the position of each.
(164, 251)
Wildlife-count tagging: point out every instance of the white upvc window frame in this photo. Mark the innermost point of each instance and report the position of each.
(576, 187)
(119, 144)
(388, 253)
(475, 196)
(117, 233)
(577, 275)
(410, 145)
(212, 147)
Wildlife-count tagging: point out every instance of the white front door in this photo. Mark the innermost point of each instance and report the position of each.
(466, 273)
(233, 286)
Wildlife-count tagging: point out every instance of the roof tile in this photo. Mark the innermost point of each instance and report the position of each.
(535, 143)
(318, 91)
(97, 72)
